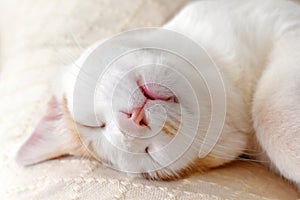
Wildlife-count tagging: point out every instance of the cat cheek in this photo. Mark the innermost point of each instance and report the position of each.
(50, 138)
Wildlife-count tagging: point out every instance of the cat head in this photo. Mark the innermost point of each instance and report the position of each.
(142, 116)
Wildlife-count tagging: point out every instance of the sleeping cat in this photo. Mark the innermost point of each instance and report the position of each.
(256, 47)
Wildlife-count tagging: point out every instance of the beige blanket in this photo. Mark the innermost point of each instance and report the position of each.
(39, 36)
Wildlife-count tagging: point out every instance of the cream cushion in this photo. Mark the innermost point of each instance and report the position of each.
(37, 37)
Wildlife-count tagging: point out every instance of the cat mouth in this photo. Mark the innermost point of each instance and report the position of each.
(147, 90)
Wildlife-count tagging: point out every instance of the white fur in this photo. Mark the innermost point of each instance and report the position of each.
(255, 44)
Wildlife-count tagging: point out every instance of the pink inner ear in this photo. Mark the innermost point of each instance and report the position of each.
(48, 140)
(54, 111)
(46, 124)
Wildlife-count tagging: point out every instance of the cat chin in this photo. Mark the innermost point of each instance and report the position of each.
(149, 167)
(225, 151)
(174, 172)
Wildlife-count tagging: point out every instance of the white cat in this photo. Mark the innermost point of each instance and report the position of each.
(255, 44)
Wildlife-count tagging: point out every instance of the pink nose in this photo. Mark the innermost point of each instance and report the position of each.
(133, 123)
(138, 116)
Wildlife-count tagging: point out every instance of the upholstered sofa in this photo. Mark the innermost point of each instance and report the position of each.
(36, 38)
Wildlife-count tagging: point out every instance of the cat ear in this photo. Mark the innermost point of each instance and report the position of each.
(50, 139)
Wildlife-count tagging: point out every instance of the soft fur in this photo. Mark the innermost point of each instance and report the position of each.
(255, 44)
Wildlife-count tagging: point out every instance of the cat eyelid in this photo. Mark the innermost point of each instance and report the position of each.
(101, 126)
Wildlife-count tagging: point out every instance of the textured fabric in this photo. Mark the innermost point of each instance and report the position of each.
(37, 37)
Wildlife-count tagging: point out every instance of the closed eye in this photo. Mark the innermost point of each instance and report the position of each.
(103, 125)
(99, 126)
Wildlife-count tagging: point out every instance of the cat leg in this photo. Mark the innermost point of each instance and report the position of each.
(276, 111)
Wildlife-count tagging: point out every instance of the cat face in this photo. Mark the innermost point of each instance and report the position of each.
(142, 117)
(146, 117)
